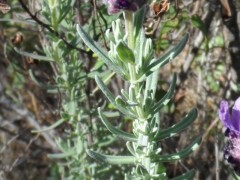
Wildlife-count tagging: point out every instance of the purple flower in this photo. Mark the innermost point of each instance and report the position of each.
(115, 6)
(232, 123)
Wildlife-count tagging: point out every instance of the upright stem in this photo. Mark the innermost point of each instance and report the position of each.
(129, 24)
(141, 120)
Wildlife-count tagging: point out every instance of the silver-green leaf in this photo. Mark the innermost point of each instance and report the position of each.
(121, 134)
(111, 159)
(180, 155)
(112, 99)
(188, 175)
(170, 55)
(167, 97)
(95, 47)
(173, 130)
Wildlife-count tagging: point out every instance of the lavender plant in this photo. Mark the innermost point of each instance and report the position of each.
(231, 123)
(71, 77)
(131, 57)
(70, 80)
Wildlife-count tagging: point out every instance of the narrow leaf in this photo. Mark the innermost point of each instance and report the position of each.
(139, 20)
(102, 53)
(157, 63)
(44, 86)
(66, 10)
(111, 159)
(53, 126)
(34, 56)
(187, 175)
(180, 155)
(111, 98)
(105, 90)
(121, 134)
(130, 148)
(151, 84)
(167, 97)
(61, 155)
(176, 128)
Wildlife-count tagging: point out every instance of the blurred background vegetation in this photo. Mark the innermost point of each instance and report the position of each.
(43, 63)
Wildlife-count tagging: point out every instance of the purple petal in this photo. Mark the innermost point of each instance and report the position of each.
(113, 10)
(224, 115)
(237, 104)
(236, 115)
(235, 150)
(115, 6)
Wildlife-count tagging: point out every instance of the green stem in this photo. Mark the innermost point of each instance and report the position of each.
(129, 23)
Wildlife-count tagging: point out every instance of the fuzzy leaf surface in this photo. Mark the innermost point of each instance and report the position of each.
(176, 128)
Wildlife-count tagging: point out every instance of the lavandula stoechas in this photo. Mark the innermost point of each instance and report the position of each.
(232, 123)
(115, 6)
